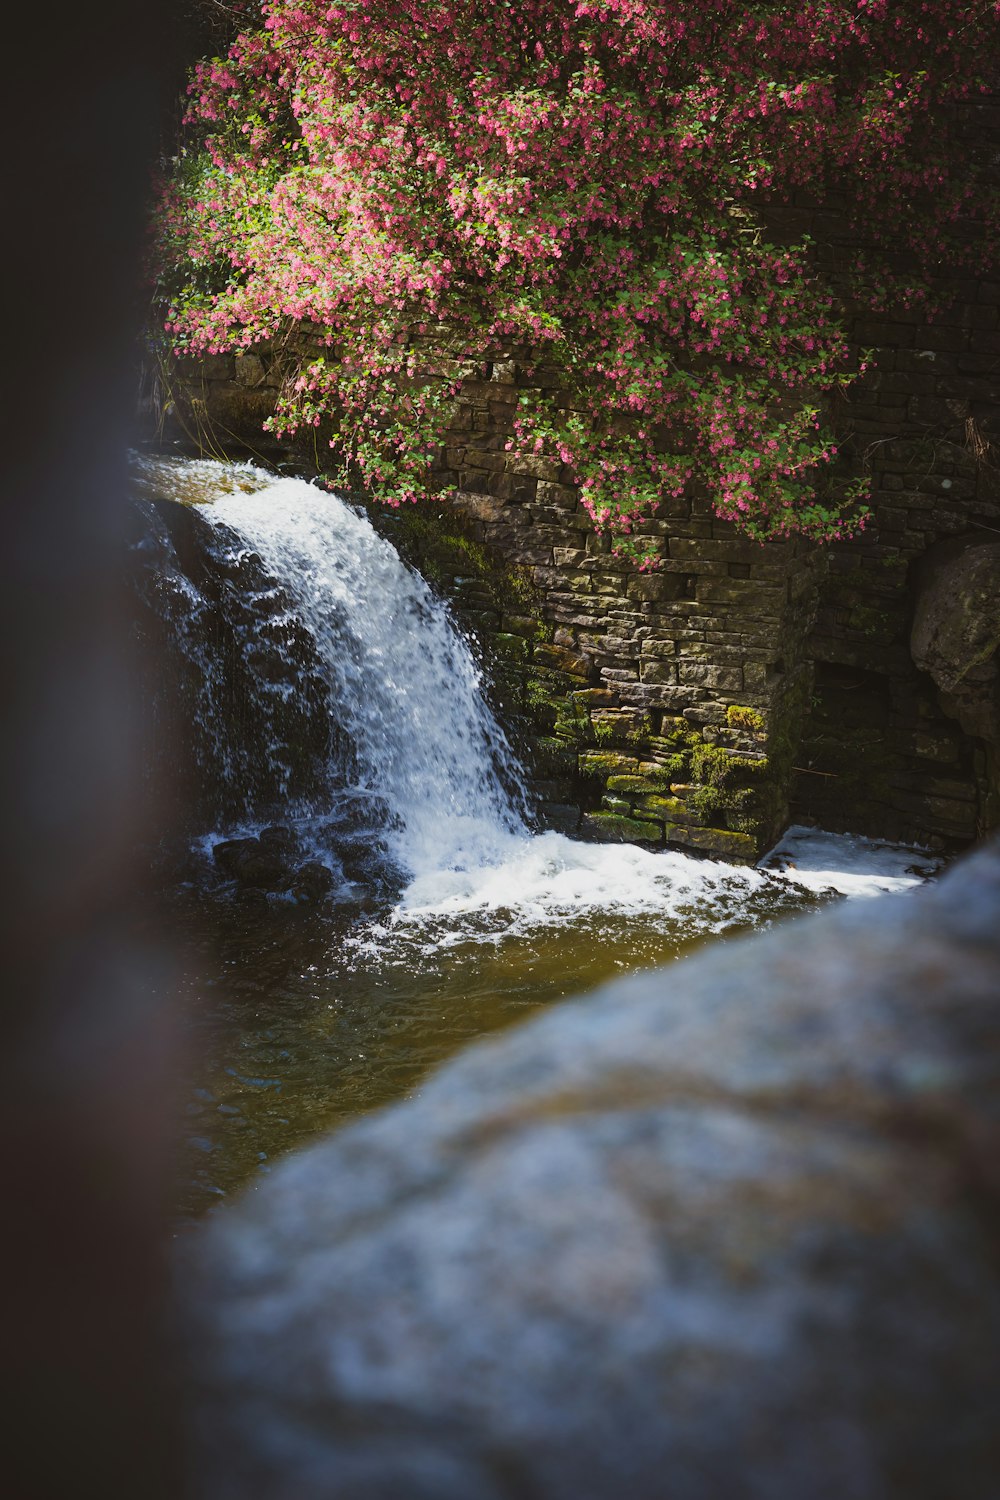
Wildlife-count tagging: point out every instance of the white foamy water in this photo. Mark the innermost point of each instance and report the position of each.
(848, 863)
(547, 880)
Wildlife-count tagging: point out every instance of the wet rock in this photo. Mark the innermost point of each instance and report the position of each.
(219, 638)
(725, 1230)
(277, 836)
(560, 817)
(368, 862)
(228, 853)
(312, 881)
(253, 863)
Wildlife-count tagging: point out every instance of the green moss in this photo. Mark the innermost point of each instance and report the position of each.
(715, 766)
(438, 543)
(553, 758)
(512, 646)
(609, 827)
(667, 808)
(600, 764)
(674, 767)
(640, 784)
(736, 846)
(544, 706)
(744, 718)
(706, 801)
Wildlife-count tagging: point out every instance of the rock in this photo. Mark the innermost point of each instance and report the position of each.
(613, 828)
(312, 881)
(726, 1231)
(956, 631)
(277, 836)
(559, 817)
(228, 853)
(253, 863)
(719, 841)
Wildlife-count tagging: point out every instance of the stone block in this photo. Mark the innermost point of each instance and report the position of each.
(248, 369)
(600, 764)
(657, 670)
(657, 587)
(561, 495)
(719, 679)
(739, 847)
(612, 828)
(561, 659)
(640, 785)
(559, 817)
(669, 809)
(535, 465)
(484, 458)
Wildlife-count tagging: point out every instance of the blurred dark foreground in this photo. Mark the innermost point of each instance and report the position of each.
(87, 1053)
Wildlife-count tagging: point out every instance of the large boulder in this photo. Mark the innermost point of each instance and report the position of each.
(956, 630)
(725, 1231)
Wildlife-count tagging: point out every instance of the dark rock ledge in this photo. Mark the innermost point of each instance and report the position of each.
(727, 1231)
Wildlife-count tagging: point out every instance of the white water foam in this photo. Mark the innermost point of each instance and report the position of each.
(545, 879)
(848, 863)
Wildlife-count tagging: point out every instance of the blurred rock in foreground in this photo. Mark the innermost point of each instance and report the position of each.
(725, 1231)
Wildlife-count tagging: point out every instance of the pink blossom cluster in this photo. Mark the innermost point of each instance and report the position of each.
(583, 181)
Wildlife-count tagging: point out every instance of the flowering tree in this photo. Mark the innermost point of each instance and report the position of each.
(423, 184)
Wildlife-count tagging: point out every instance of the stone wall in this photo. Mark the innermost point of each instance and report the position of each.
(884, 748)
(880, 747)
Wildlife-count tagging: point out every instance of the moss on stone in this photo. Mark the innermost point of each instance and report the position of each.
(439, 544)
(553, 757)
(735, 846)
(639, 784)
(612, 828)
(600, 764)
(738, 717)
(670, 809)
(715, 766)
(513, 646)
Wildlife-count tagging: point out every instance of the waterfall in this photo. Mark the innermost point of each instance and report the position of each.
(335, 714)
(424, 747)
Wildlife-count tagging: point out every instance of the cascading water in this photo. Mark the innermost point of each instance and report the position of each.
(293, 593)
(406, 688)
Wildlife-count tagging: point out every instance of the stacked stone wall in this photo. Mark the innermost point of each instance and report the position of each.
(883, 750)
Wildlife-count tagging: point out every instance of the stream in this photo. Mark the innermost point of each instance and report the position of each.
(352, 882)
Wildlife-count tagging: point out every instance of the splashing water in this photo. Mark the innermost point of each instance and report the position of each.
(405, 685)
